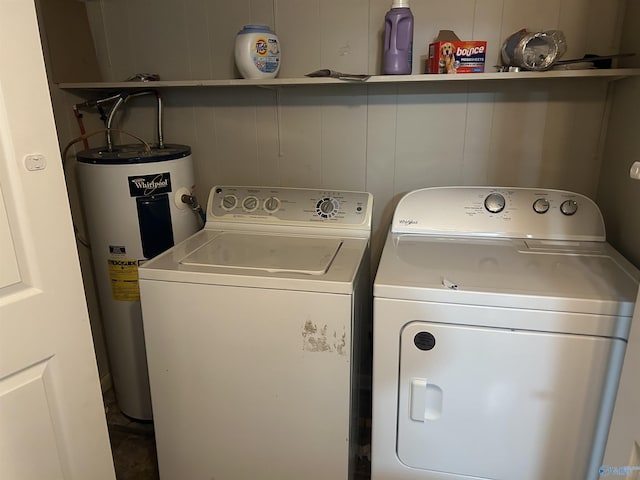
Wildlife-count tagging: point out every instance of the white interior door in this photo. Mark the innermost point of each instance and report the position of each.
(52, 422)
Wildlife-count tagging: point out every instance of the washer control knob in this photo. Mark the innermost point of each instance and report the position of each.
(541, 205)
(229, 202)
(250, 203)
(569, 207)
(494, 203)
(327, 207)
(271, 204)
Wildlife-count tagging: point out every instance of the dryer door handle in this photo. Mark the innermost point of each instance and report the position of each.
(426, 400)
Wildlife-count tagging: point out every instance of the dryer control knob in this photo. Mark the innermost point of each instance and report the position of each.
(569, 207)
(541, 205)
(494, 203)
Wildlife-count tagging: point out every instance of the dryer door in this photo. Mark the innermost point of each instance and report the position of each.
(502, 404)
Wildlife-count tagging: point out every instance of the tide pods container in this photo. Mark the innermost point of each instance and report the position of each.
(257, 52)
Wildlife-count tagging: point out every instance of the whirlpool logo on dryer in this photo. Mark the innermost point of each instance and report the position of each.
(154, 184)
(408, 221)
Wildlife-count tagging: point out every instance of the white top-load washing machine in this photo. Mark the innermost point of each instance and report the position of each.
(500, 323)
(252, 328)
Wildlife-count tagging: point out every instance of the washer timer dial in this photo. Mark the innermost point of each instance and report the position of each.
(327, 207)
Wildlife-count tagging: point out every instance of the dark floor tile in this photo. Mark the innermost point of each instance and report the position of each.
(132, 444)
(134, 456)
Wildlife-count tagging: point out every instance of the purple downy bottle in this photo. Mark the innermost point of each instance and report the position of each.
(398, 39)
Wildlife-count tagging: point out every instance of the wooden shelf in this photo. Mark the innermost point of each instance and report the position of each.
(612, 74)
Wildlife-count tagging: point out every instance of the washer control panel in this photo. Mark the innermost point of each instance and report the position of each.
(289, 206)
(499, 212)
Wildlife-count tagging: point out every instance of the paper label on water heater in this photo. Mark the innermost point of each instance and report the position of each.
(123, 274)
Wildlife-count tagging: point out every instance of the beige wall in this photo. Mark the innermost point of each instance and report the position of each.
(193, 39)
(618, 195)
(619, 199)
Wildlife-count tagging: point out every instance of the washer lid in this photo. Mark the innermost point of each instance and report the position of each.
(256, 259)
(581, 277)
(271, 253)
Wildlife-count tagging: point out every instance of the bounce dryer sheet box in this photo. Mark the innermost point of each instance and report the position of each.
(449, 54)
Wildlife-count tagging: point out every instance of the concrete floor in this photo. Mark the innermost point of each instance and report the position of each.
(134, 449)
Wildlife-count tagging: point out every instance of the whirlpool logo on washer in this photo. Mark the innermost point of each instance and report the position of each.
(154, 184)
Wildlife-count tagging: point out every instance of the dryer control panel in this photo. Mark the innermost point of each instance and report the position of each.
(510, 212)
(289, 206)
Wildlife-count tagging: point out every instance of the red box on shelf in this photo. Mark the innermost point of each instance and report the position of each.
(449, 54)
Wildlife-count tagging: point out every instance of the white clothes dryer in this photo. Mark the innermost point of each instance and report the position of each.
(501, 317)
(253, 327)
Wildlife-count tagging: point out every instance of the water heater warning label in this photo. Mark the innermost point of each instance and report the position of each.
(123, 274)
